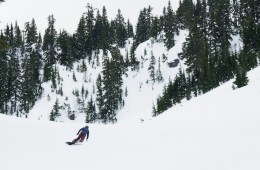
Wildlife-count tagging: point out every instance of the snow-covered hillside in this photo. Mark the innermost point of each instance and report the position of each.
(216, 131)
(141, 91)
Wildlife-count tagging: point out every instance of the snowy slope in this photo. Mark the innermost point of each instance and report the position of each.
(216, 131)
(142, 92)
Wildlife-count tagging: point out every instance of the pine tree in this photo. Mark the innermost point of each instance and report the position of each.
(3, 78)
(80, 39)
(224, 32)
(195, 50)
(49, 48)
(91, 112)
(154, 112)
(3, 45)
(64, 43)
(30, 79)
(241, 77)
(235, 16)
(106, 109)
(121, 31)
(151, 68)
(99, 97)
(112, 86)
(187, 11)
(155, 28)
(105, 31)
(250, 33)
(249, 12)
(90, 18)
(143, 26)
(55, 111)
(98, 32)
(130, 30)
(170, 27)
(15, 71)
(159, 76)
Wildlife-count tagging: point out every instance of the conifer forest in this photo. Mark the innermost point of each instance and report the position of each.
(29, 58)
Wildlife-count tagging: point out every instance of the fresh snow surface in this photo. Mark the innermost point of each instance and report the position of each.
(216, 131)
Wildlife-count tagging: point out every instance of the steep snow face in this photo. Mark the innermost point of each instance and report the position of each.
(67, 13)
(141, 91)
(218, 130)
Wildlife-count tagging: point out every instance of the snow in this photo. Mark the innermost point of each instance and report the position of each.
(216, 131)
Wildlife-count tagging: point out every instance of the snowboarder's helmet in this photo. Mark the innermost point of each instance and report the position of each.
(86, 127)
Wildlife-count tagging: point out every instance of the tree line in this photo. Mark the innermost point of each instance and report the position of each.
(28, 59)
(207, 49)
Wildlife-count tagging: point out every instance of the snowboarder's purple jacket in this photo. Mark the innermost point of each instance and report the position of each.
(84, 131)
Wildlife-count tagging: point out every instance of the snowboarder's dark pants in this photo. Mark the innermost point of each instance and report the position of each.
(80, 138)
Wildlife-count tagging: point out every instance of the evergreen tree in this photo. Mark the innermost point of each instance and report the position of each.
(130, 30)
(112, 86)
(91, 112)
(49, 48)
(169, 27)
(99, 97)
(55, 111)
(90, 18)
(151, 68)
(105, 31)
(15, 71)
(249, 17)
(195, 50)
(241, 77)
(235, 16)
(121, 30)
(159, 76)
(64, 44)
(30, 80)
(98, 32)
(249, 12)
(80, 40)
(3, 45)
(3, 79)
(143, 26)
(155, 28)
(187, 10)
(223, 39)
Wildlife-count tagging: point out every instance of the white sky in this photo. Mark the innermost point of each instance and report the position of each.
(67, 12)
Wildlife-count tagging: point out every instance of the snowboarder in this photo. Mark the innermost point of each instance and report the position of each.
(82, 133)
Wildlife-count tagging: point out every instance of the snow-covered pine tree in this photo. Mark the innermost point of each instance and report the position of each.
(49, 48)
(55, 111)
(151, 67)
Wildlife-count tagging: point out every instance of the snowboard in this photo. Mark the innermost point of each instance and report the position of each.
(70, 143)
